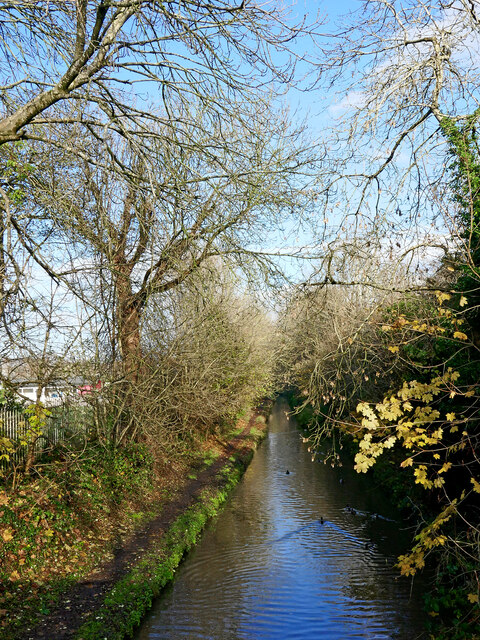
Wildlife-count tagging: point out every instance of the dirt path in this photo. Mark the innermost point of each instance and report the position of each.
(83, 599)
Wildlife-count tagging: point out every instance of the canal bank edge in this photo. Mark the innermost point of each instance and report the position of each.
(131, 597)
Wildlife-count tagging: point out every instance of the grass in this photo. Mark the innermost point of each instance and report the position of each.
(255, 433)
(209, 457)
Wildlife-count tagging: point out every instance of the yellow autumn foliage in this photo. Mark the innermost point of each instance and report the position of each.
(476, 485)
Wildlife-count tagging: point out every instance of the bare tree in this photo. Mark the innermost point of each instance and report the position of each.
(117, 238)
(400, 71)
(85, 57)
(153, 227)
(207, 351)
(330, 346)
(73, 72)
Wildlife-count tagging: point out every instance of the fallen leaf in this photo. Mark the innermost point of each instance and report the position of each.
(7, 535)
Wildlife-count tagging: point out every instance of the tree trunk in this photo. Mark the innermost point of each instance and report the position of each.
(128, 317)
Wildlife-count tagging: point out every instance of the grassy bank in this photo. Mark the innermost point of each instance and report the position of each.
(61, 524)
(127, 603)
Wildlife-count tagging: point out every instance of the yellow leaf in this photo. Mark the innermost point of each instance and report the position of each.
(394, 349)
(362, 463)
(7, 535)
(407, 463)
(14, 576)
(386, 327)
(470, 393)
(421, 477)
(389, 442)
(442, 297)
(459, 335)
(463, 301)
(472, 597)
(476, 485)
(451, 417)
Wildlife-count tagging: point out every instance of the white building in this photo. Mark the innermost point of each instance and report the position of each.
(25, 382)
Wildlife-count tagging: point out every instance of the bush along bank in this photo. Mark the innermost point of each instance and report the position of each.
(451, 601)
(113, 539)
(404, 493)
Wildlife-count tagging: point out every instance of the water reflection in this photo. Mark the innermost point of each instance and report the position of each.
(268, 568)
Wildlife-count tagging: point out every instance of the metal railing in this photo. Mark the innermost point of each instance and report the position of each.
(65, 423)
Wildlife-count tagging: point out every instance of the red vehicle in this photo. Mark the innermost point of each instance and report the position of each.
(87, 389)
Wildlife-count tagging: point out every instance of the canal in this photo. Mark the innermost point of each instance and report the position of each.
(268, 568)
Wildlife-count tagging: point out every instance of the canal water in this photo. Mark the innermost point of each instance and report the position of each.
(267, 568)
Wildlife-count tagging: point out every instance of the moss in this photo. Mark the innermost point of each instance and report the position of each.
(209, 457)
(255, 432)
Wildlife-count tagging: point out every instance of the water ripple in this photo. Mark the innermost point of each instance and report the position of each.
(268, 569)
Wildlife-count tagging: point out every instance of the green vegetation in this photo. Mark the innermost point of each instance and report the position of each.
(417, 427)
(60, 524)
(420, 440)
(137, 230)
(124, 607)
(209, 457)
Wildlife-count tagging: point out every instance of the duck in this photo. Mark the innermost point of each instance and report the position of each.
(321, 520)
(287, 472)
